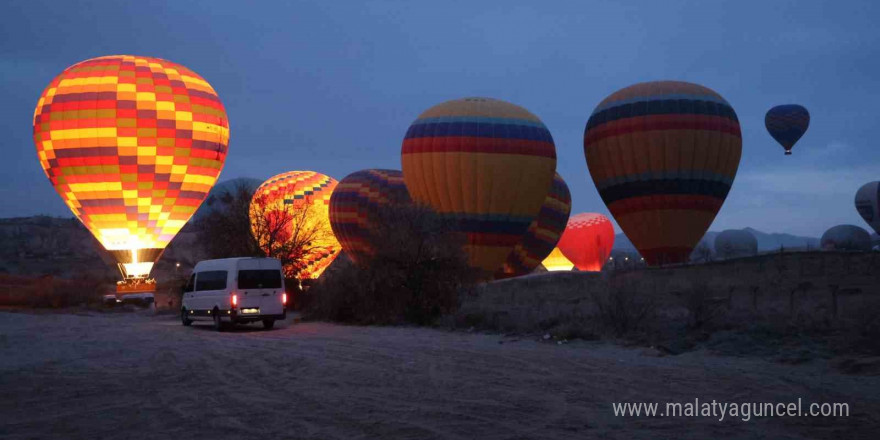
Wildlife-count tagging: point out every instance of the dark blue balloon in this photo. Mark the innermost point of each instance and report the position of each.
(787, 123)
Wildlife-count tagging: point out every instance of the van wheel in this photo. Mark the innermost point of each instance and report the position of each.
(268, 323)
(184, 318)
(218, 323)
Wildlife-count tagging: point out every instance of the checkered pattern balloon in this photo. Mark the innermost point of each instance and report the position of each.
(299, 199)
(132, 145)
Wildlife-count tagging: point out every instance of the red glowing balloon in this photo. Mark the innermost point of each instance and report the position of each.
(587, 241)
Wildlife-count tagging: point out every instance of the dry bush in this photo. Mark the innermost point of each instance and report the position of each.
(862, 329)
(50, 292)
(623, 310)
(703, 306)
(414, 276)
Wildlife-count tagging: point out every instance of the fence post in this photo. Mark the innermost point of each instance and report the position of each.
(834, 288)
(755, 298)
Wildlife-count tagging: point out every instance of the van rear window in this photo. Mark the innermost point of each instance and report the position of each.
(259, 279)
(211, 280)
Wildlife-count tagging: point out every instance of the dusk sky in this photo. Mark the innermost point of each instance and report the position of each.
(333, 86)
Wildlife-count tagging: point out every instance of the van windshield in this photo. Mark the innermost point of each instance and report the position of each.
(259, 279)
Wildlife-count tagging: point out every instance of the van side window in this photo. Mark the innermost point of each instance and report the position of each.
(259, 279)
(190, 285)
(211, 280)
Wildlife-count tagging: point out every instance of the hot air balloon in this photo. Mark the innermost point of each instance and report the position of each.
(846, 238)
(587, 241)
(736, 243)
(556, 261)
(787, 123)
(133, 145)
(663, 156)
(485, 164)
(543, 233)
(289, 216)
(356, 203)
(868, 204)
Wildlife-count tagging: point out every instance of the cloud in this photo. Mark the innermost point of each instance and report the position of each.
(833, 149)
(842, 181)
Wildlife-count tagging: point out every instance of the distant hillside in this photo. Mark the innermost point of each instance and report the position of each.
(770, 242)
(45, 245)
(63, 247)
(766, 242)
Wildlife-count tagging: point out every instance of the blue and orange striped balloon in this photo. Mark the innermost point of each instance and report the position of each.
(356, 203)
(787, 123)
(484, 163)
(543, 233)
(663, 156)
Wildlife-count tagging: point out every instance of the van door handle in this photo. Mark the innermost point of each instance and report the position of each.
(265, 294)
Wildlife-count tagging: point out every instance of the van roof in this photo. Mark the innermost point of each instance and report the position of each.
(230, 262)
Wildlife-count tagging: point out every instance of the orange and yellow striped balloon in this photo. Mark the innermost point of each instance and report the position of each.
(132, 145)
(663, 156)
(299, 199)
(484, 163)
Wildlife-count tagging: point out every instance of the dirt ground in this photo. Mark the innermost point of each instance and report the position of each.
(130, 376)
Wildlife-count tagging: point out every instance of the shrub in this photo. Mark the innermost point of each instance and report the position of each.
(622, 309)
(703, 307)
(414, 274)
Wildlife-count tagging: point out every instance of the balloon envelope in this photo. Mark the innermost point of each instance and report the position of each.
(846, 238)
(132, 145)
(543, 233)
(294, 207)
(356, 203)
(485, 164)
(868, 204)
(787, 123)
(587, 241)
(663, 156)
(556, 261)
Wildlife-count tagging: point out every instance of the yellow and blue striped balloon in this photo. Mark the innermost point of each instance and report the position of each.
(484, 163)
(663, 156)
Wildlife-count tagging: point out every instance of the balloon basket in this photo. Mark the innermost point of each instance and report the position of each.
(135, 285)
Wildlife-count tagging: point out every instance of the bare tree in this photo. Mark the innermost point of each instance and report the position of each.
(703, 252)
(225, 231)
(290, 230)
(727, 251)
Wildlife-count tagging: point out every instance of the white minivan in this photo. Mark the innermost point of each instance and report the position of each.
(235, 290)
